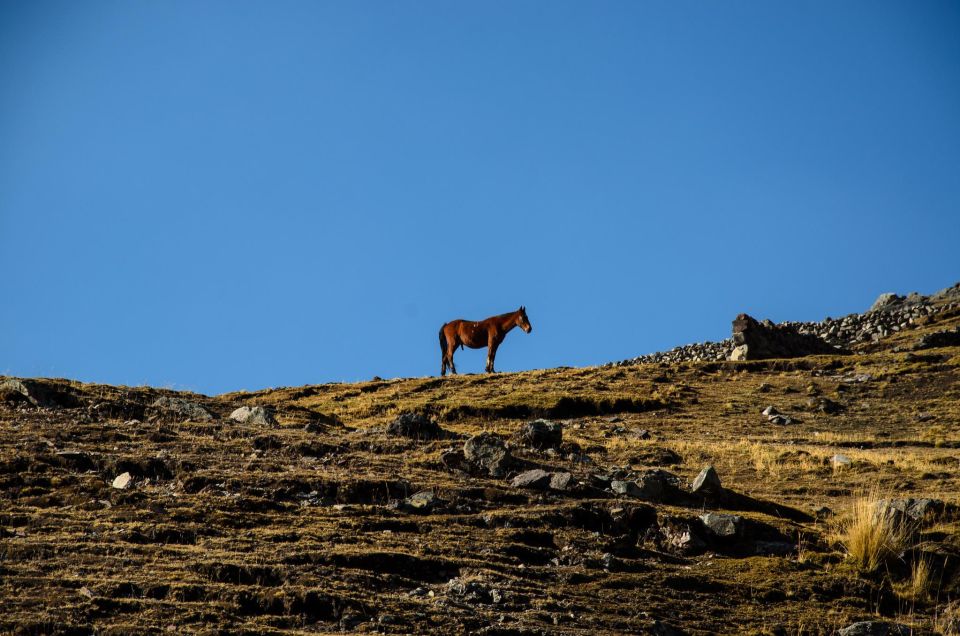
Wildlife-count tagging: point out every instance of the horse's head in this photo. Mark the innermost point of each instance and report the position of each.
(523, 321)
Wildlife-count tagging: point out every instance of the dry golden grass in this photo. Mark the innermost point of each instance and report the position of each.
(873, 533)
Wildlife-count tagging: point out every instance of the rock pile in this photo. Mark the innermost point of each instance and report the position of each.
(889, 314)
(759, 340)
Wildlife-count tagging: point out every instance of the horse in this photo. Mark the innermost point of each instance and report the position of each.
(487, 333)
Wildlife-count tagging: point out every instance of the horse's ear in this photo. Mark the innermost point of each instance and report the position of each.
(522, 308)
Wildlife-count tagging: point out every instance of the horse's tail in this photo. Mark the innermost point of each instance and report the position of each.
(443, 342)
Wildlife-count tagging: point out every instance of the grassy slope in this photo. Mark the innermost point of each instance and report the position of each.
(227, 535)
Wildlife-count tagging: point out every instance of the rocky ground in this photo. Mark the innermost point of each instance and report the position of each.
(888, 315)
(666, 498)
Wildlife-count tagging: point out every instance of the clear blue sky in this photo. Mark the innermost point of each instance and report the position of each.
(227, 195)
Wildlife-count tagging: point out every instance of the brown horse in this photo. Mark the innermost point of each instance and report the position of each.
(487, 333)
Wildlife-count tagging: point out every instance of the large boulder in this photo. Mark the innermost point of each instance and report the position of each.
(415, 426)
(541, 434)
(255, 415)
(488, 453)
(181, 409)
(754, 340)
(886, 301)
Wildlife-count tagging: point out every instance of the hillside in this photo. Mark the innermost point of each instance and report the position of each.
(131, 510)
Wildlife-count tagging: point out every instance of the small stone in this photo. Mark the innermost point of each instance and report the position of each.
(770, 411)
(422, 501)
(536, 479)
(122, 481)
(86, 591)
(739, 353)
(622, 487)
(722, 525)
(561, 481)
(707, 482)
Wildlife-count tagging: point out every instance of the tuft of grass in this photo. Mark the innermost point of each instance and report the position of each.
(873, 533)
(917, 587)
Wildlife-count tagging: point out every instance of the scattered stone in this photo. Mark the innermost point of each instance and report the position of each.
(536, 479)
(925, 417)
(561, 481)
(679, 537)
(86, 591)
(415, 426)
(770, 411)
(622, 487)
(764, 387)
(917, 509)
(722, 525)
(488, 452)
(707, 482)
(643, 434)
(182, 409)
(541, 434)
(254, 415)
(875, 628)
(123, 481)
(824, 405)
(780, 420)
(423, 501)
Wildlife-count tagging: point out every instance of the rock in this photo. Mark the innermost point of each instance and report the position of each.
(453, 459)
(489, 453)
(541, 434)
(182, 409)
(739, 353)
(472, 591)
(34, 393)
(840, 461)
(561, 481)
(766, 340)
(423, 501)
(707, 482)
(875, 628)
(679, 537)
(722, 525)
(937, 339)
(917, 509)
(885, 302)
(254, 415)
(415, 426)
(824, 405)
(536, 479)
(770, 411)
(123, 481)
(780, 420)
(622, 487)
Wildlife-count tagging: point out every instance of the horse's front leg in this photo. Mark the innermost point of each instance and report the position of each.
(492, 354)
